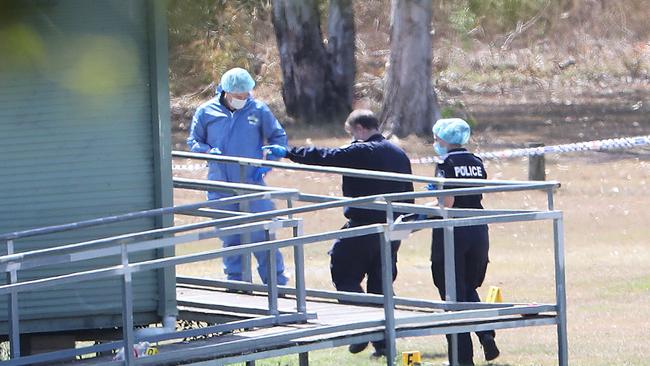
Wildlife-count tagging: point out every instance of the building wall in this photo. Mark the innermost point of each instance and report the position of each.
(79, 139)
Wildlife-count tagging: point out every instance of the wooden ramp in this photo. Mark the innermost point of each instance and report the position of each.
(331, 324)
(214, 306)
(328, 312)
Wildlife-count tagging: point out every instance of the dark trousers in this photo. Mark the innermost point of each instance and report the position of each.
(352, 259)
(471, 245)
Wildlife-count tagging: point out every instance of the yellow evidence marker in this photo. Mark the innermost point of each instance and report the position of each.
(411, 358)
(494, 294)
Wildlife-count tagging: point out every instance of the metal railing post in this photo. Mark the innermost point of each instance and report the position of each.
(246, 267)
(299, 263)
(390, 217)
(127, 308)
(301, 292)
(14, 319)
(560, 293)
(272, 277)
(387, 289)
(303, 359)
(450, 275)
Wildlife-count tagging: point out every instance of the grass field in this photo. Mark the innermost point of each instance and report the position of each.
(604, 197)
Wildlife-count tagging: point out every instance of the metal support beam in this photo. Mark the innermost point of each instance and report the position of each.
(560, 293)
(389, 302)
(272, 277)
(299, 260)
(14, 323)
(127, 308)
(246, 271)
(303, 359)
(450, 278)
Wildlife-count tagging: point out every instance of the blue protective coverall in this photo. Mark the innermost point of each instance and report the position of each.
(471, 243)
(352, 259)
(239, 133)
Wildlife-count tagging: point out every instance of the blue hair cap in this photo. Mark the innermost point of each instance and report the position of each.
(237, 80)
(452, 130)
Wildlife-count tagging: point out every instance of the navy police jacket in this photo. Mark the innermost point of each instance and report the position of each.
(459, 163)
(376, 153)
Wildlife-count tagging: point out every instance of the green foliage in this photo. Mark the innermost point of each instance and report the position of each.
(462, 19)
(207, 37)
(447, 112)
(505, 14)
(458, 110)
(493, 17)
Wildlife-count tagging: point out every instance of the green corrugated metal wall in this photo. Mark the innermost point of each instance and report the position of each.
(76, 142)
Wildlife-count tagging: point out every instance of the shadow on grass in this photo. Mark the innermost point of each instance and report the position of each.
(427, 355)
(438, 355)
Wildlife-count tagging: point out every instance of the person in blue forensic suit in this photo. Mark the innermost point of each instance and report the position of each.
(352, 259)
(236, 124)
(471, 243)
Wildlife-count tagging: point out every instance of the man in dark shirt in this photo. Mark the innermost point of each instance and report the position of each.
(471, 243)
(352, 259)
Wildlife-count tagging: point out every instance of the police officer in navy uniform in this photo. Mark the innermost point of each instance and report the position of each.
(352, 259)
(471, 243)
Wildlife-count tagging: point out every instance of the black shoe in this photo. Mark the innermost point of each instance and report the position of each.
(379, 352)
(489, 348)
(356, 348)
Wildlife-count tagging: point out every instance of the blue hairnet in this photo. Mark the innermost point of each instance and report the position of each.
(237, 80)
(452, 130)
(439, 124)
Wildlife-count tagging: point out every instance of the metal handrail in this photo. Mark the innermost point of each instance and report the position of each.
(202, 184)
(188, 258)
(12, 263)
(90, 250)
(349, 172)
(401, 196)
(283, 193)
(246, 248)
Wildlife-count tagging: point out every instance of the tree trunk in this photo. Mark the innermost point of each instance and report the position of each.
(341, 47)
(410, 104)
(317, 84)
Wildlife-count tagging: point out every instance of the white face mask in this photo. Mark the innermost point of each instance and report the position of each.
(237, 103)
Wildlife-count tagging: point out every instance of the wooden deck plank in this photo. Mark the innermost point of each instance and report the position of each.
(329, 313)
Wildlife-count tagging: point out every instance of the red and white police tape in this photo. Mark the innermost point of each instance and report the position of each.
(608, 144)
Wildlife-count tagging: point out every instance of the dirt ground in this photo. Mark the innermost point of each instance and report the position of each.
(603, 196)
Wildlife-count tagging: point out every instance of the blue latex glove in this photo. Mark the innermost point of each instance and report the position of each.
(277, 150)
(432, 187)
(214, 151)
(260, 173)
